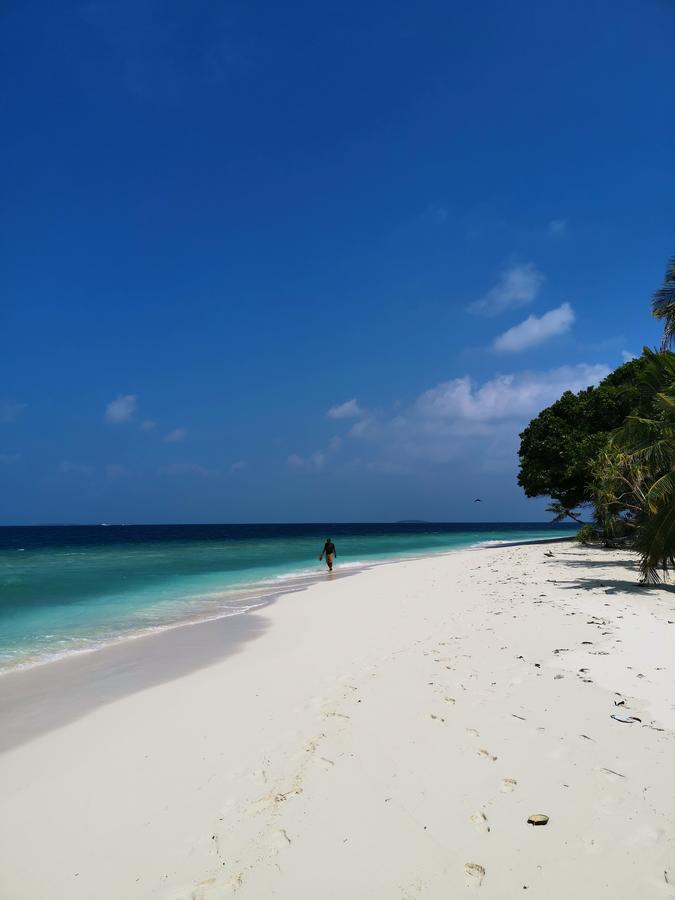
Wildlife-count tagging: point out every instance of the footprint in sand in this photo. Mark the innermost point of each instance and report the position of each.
(472, 732)
(473, 875)
(272, 801)
(280, 839)
(508, 785)
(480, 822)
(487, 755)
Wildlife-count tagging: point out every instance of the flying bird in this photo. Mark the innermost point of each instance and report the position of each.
(477, 500)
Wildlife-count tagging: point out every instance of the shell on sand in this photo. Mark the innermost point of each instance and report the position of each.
(537, 819)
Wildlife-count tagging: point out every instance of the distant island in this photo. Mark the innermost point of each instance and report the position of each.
(412, 522)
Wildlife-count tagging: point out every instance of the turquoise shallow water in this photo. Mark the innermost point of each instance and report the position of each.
(70, 589)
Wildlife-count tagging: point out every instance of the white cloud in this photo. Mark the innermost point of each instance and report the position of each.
(461, 420)
(517, 287)
(148, 424)
(627, 355)
(9, 412)
(177, 469)
(557, 227)
(173, 437)
(359, 428)
(536, 329)
(121, 409)
(504, 396)
(6, 459)
(473, 425)
(348, 410)
(315, 460)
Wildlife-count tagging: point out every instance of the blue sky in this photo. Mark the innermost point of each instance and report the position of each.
(286, 262)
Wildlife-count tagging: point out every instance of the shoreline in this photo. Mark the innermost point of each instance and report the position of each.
(399, 726)
(54, 691)
(261, 592)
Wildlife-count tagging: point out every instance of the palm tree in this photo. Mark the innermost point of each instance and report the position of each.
(663, 306)
(646, 444)
(560, 512)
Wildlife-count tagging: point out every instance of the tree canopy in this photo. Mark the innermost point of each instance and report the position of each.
(559, 447)
(640, 479)
(614, 446)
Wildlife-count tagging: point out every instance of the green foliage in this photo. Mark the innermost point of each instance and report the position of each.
(558, 448)
(560, 512)
(614, 446)
(663, 305)
(586, 534)
(645, 449)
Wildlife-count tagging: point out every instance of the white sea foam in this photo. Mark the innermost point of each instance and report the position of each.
(81, 646)
(195, 610)
(205, 606)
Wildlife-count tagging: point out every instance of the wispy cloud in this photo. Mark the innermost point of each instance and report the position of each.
(361, 427)
(348, 410)
(557, 227)
(239, 466)
(318, 459)
(315, 460)
(626, 355)
(536, 329)
(504, 396)
(9, 411)
(464, 421)
(173, 437)
(148, 424)
(517, 286)
(121, 409)
(470, 424)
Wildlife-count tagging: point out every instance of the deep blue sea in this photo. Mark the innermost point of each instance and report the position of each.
(68, 589)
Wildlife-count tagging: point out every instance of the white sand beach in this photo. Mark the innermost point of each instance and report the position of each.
(385, 735)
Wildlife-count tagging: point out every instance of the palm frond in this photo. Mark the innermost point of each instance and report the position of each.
(663, 305)
(656, 543)
(661, 491)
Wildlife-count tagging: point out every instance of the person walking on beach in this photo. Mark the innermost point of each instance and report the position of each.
(330, 552)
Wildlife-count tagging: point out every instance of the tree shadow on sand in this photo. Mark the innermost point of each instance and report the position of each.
(614, 586)
(582, 563)
(524, 543)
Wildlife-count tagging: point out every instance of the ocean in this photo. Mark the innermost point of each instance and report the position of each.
(73, 589)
